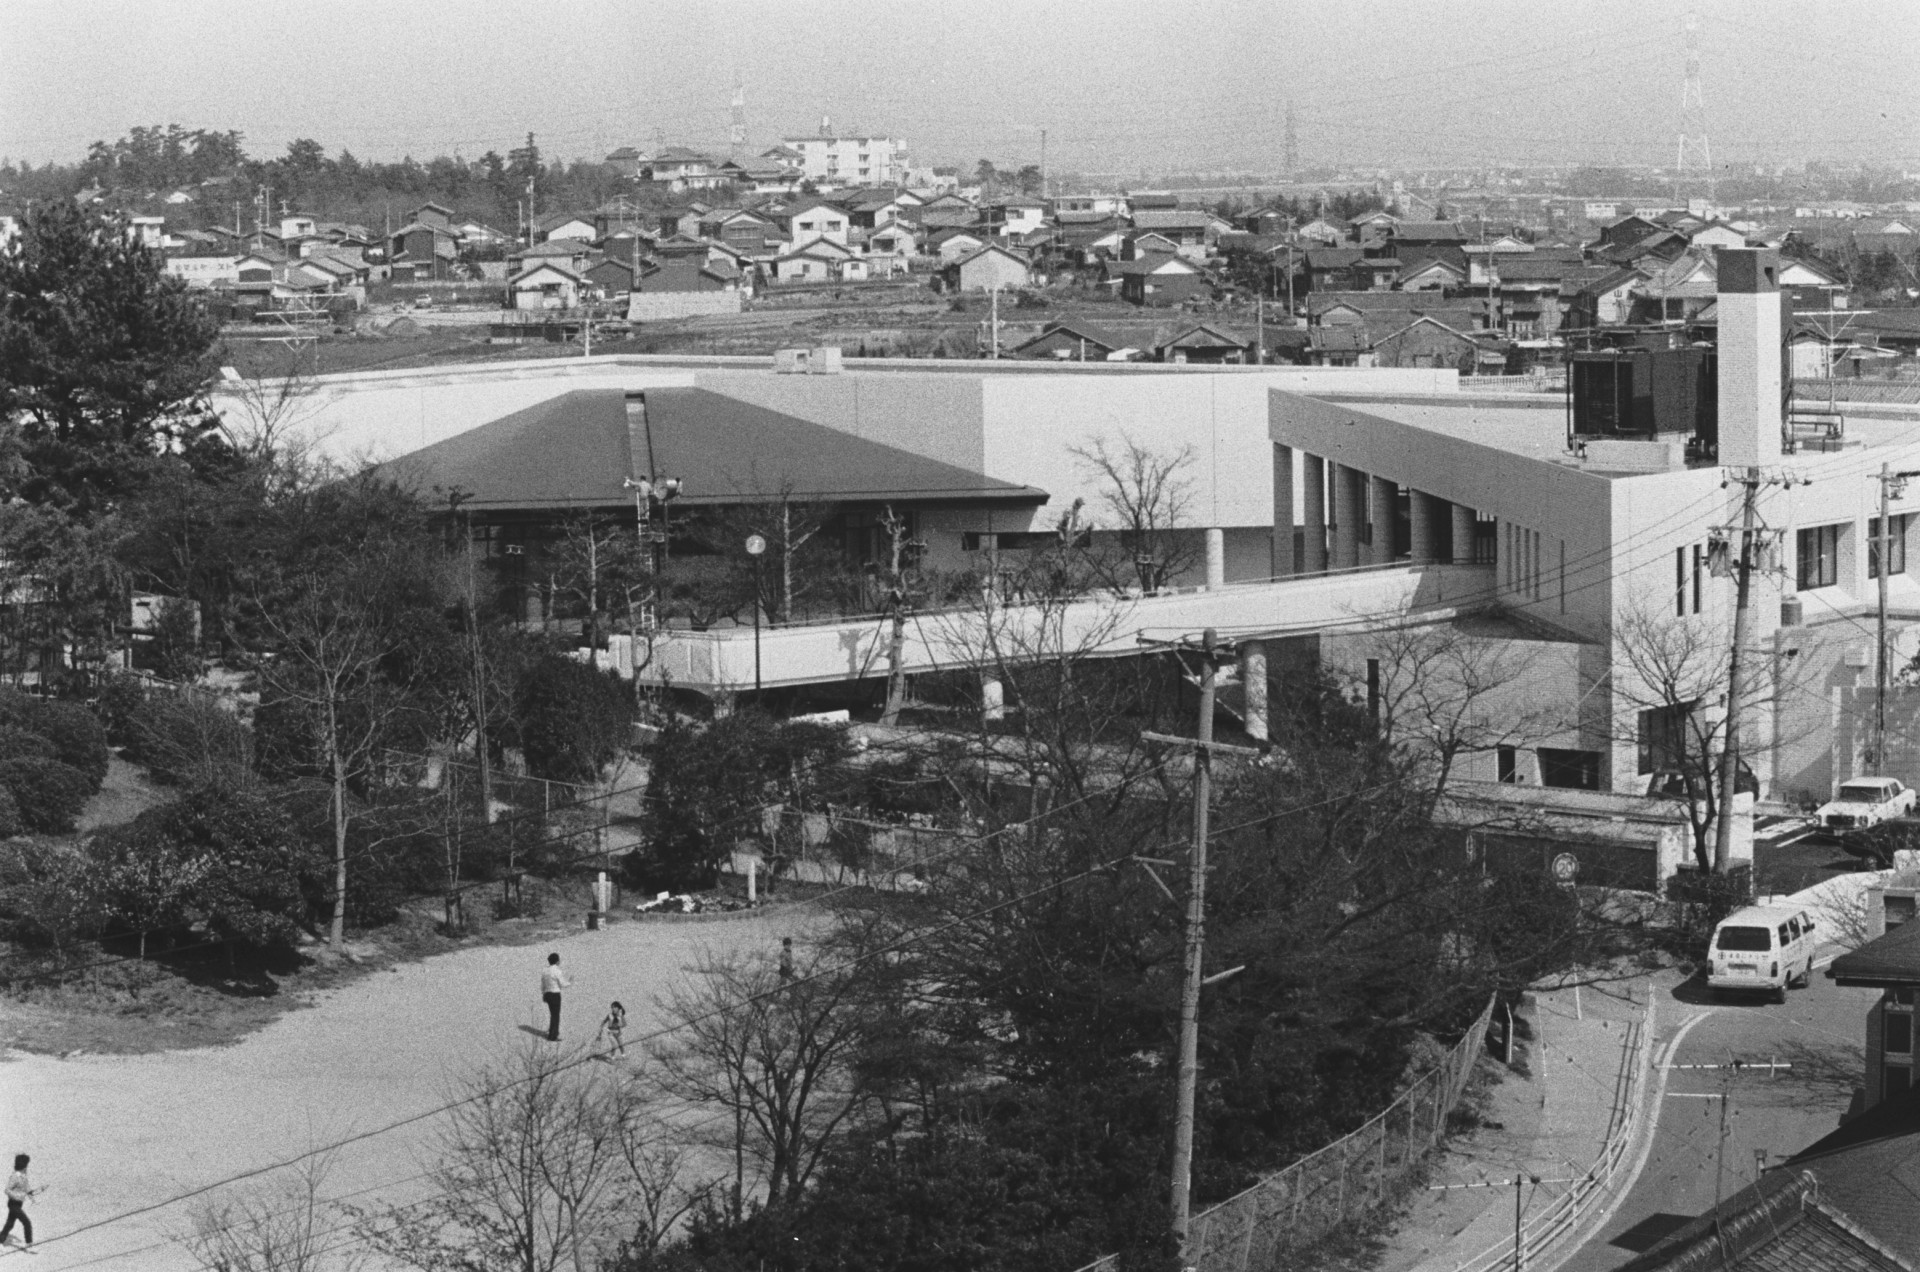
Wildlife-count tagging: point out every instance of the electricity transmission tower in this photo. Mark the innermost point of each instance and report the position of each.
(1693, 165)
(737, 127)
(1292, 156)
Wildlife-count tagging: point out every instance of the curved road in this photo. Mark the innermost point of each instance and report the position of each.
(1820, 1032)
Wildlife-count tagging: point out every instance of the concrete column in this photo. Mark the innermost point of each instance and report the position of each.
(1282, 561)
(1346, 517)
(1462, 534)
(1216, 557)
(1253, 687)
(993, 697)
(1313, 490)
(1381, 507)
(1426, 513)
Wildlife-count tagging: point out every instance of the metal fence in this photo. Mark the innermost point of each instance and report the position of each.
(1298, 1206)
(1342, 1181)
(1904, 390)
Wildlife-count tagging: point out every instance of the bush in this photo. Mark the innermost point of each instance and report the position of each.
(10, 823)
(49, 794)
(573, 720)
(122, 698)
(18, 744)
(78, 739)
(46, 897)
(189, 740)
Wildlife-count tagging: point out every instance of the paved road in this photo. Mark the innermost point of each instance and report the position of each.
(1820, 1032)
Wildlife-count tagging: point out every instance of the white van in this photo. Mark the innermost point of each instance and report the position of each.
(1762, 947)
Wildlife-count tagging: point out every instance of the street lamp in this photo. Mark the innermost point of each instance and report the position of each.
(756, 548)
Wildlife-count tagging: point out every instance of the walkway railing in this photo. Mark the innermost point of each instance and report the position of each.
(1349, 1177)
(1546, 1230)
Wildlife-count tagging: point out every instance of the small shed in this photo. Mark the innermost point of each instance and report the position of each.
(988, 269)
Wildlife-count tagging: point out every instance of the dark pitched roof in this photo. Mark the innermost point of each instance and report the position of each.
(573, 451)
(1428, 232)
(1784, 1223)
(1206, 334)
(1890, 960)
(1333, 257)
(1097, 336)
(1351, 339)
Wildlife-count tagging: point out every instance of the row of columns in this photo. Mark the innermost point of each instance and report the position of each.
(1338, 500)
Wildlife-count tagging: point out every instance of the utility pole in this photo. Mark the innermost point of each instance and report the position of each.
(993, 337)
(1188, 1063)
(1736, 672)
(1892, 486)
(1043, 163)
(1750, 480)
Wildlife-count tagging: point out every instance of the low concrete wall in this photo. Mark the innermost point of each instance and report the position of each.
(662, 306)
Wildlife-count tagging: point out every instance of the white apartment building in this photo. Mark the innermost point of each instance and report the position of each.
(852, 161)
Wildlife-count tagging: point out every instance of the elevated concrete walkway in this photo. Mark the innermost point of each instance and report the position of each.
(720, 662)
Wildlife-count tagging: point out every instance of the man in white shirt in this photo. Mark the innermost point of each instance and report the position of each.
(18, 1190)
(552, 981)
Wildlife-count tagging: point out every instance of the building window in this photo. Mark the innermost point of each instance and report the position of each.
(1570, 770)
(1897, 909)
(1897, 1035)
(1662, 738)
(1896, 545)
(1817, 557)
(1507, 762)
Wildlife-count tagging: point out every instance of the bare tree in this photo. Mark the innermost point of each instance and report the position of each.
(595, 562)
(902, 588)
(1148, 495)
(336, 645)
(776, 1053)
(1674, 679)
(536, 1166)
(281, 1226)
(1445, 693)
(267, 416)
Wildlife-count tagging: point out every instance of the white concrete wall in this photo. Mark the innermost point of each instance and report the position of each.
(660, 306)
(372, 417)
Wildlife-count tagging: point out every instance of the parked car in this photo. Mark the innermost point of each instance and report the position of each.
(1864, 802)
(1766, 948)
(423, 302)
(1876, 845)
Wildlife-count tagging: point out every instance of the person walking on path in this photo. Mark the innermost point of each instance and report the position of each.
(18, 1190)
(786, 958)
(615, 1025)
(552, 981)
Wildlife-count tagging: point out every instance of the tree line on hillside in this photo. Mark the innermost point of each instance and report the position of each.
(372, 653)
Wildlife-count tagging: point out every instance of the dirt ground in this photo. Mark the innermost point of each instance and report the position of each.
(115, 1133)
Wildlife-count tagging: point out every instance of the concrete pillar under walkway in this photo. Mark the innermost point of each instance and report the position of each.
(1346, 511)
(1253, 688)
(1463, 520)
(1216, 558)
(1282, 547)
(1423, 524)
(1313, 472)
(993, 697)
(1383, 497)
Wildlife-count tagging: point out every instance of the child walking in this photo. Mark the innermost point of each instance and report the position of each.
(615, 1025)
(18, 1191)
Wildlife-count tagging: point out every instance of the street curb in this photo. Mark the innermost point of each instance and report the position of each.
(1641, 1147)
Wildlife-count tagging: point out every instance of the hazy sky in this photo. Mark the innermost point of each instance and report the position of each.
(1119, 85)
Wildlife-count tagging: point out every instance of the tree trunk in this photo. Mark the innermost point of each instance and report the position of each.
(896, 673)
(786, 564)
(337, 930)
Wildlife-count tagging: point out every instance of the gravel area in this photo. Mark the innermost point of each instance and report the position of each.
(110, 1134)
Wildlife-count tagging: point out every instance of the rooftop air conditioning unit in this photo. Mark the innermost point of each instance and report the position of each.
(789, 361)
(825, 360)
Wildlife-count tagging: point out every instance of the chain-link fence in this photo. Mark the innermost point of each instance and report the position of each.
(1296, 1207)
(1344, 1180)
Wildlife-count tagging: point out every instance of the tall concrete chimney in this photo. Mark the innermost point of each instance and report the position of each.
(1750, 386)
